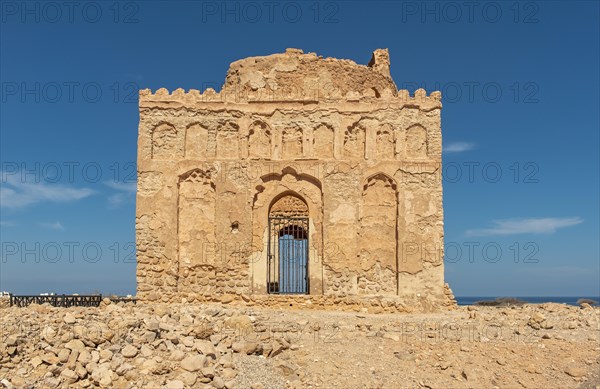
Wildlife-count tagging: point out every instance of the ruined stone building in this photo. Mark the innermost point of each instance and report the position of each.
(304, 175)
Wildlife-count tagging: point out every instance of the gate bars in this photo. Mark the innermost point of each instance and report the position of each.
(287, 255)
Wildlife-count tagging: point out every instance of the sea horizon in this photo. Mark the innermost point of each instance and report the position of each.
(569, 300)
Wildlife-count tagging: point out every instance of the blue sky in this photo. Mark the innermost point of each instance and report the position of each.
(520, 124)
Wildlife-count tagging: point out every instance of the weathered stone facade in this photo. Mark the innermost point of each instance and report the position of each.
(292, 135)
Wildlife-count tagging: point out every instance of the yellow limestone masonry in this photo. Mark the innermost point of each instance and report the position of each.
(306, 181)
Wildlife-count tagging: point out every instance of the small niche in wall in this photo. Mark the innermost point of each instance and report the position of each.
(235, 227)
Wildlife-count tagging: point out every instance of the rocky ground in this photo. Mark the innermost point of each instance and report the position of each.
(222, 346)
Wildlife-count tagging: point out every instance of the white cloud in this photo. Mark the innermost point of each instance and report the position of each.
(125, 191)
(6, 223)
(15, 193)
(53, 226)
(122, 186)
(116, 199)
(458, 147)
(547, 225)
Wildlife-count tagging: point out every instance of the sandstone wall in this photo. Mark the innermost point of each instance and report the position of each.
(363, 157)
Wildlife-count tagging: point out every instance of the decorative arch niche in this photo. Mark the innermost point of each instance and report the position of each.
(354, 141)
(259, 140)
(165, 142)
(323, 139)
(195, 224)
(292, 145)
(288, 204)
(378, 238)
(196, 141)
(416, 142)
(385, 143)
(228, 141)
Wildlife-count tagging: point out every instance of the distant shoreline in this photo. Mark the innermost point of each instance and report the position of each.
(569, 300)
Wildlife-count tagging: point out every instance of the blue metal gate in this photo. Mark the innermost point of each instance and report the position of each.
(288, 255)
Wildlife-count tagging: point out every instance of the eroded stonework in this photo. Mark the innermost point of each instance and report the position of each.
(350, 165)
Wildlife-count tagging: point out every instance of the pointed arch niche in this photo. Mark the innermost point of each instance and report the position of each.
(323, 138)
(196, 231)
(197, 141)
(165, 142)
(354, 141)
(416, 142)
(259, 140)
(385, 143)
(378, 237)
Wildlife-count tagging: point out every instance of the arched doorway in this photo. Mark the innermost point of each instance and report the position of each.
(287, 253)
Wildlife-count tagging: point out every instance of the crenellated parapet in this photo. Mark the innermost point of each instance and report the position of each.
(194, 98)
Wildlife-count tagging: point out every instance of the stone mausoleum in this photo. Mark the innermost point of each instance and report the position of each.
(304, 176)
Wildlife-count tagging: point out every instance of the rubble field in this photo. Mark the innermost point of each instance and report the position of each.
(226, 346)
